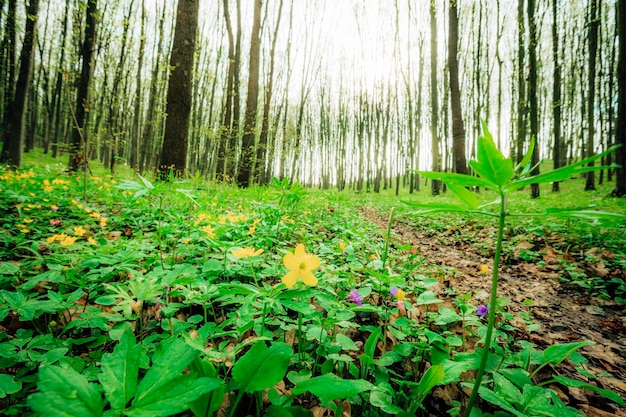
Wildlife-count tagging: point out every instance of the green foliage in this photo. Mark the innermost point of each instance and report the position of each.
(134, 302)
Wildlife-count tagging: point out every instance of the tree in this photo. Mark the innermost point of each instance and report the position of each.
(532, 92)
(557, 147)
(78, 145)
(249, 126)
(458, 130)
(620, 130)
(593, 48)
(13, 135)
(434, 99)
(175, 142)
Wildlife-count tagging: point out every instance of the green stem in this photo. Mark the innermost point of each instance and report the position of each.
(388, 237)
(300, 353)
(493, 302)
(235, 404)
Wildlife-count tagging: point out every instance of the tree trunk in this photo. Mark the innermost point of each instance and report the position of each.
(620, 128)
(434, 100)
(532, 92)
(458, 130)
(136, 132)
(12, 150)
(557, 148)
(78, 146)
(249, 127)
(9, 64)
(593, 48)
(175, 142)
(262, 178)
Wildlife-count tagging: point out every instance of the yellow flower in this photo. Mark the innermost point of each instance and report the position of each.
(68, 241)
(246, 252)
(209, 231)
(484, 268)
(186, 241)
(400, 295)
(342, 246)
(300, 265)
(103, 221)
(28, 221)
(80, 231)
(92, 241)
(24, 230)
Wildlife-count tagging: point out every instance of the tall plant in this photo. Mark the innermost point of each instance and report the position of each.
(497, 173)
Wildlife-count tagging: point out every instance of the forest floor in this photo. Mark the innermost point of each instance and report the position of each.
(565, 315)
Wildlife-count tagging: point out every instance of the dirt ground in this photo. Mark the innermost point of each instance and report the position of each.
(563, 313)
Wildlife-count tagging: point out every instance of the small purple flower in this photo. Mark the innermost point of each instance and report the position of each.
(393, 291)
(482, 310)
(356, 297)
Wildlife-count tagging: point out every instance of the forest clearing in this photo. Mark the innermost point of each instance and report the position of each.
(315, 208)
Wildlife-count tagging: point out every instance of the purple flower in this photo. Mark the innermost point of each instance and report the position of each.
(356, 297)
(393, 291)
(482, 310)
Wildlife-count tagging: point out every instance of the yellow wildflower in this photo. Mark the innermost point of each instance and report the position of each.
(484, 268)
(209, 231)
(246, 252)
(300, 265)
(54, 207)
(186, 241)
(400, 295)
(103, 221)
(24, 230)
(28, 221)
(68, 241)
(79, 231)
(342, 246)
(92, 241)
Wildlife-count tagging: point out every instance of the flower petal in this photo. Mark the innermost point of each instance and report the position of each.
(290, 279)
(311, 262)
(291, 262)
(308, 278)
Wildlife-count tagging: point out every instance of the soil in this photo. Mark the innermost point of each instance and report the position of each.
(533, 287)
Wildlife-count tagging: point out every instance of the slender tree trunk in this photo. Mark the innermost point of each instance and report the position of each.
(593, 49)
(263, 137)
(556, 95)
(78, 146)
(175, 141)
(9, 62)
(249, 127)
(620, 128)
(136, 132)
(532, 91)
(520, 141)
(12, 150)
(434, 100)
(458, 129)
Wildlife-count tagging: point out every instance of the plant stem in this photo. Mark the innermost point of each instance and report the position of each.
(493, 302)
(388, 237)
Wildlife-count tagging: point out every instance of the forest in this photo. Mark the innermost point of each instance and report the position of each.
(313, 208)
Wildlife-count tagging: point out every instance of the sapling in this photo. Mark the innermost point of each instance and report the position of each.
(496, 172)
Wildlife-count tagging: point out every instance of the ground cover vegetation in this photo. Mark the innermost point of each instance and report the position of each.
(126, 296)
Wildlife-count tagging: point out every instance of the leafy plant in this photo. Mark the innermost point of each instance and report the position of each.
(497, 173)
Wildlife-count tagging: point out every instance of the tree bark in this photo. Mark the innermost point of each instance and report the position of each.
(434, 100)
(13, 139)
(175, 142)
(557, 147)
(78, 145)
(532, 92)
(458, 129)
(593, 48)
(249, 127)
(620, 128)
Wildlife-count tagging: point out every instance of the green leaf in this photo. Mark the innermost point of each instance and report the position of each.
(173, 397)
(65, 393)
(170, 360)
(506, 388)
(556, 354)
(428, 297)
(384, 400)
(432, 377)
(564, 172)
(330, 387)
(8, 385)
(207, 403)
(465, 195)
(490, 396)
(580, 384)
(261, 367)
(490, 164)
(372, 340)
(120, 371)
(462, 180)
